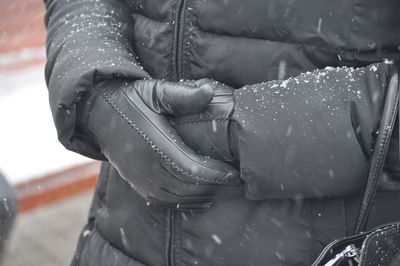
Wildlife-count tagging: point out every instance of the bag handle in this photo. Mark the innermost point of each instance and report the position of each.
(381, 148)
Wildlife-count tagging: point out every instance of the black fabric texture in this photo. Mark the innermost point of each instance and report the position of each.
(240, 44)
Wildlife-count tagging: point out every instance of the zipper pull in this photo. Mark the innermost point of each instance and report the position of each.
(350, 252)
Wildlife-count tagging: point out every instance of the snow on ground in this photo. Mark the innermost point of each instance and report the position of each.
(22, 55)
(28, 140)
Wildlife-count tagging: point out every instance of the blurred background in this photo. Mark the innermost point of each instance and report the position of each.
(50, 188)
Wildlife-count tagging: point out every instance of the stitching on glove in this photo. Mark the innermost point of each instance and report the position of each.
(156, 149)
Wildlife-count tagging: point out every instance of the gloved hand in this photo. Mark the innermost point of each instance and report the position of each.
(126, 121)
(209, 133)
(308, 136)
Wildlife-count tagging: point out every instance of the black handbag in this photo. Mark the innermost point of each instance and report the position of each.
(380, 246)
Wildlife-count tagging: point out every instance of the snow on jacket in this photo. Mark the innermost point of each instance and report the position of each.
(237, 43)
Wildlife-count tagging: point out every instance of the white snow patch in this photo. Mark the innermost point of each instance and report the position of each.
(28, 139)
(22, 55)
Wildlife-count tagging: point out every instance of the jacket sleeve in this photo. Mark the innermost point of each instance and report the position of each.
(87, 40)
(319, 127)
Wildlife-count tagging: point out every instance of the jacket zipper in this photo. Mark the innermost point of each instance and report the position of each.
(179, 25)
(170, 259)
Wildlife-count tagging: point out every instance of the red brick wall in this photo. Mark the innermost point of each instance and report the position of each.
(21, 27)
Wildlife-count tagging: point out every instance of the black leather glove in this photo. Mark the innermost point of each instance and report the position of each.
(210, 133)
(308, 136)
(126, 121)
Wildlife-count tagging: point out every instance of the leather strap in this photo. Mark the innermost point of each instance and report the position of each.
(381, 148)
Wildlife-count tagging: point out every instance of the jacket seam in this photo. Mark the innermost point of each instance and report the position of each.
(351, 23)
(172, 46)
(217, 119)
(342, 51)
(135, 14)
(269, 40)
(157, 149)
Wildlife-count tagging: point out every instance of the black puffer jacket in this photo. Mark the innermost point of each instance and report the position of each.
(237, 43)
